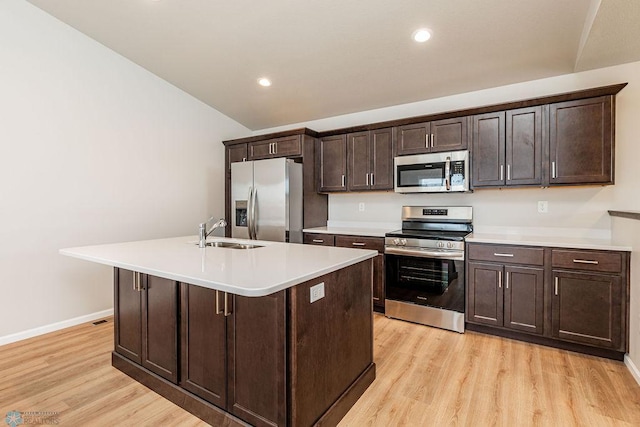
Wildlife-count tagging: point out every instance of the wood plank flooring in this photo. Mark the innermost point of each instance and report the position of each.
(425, 377)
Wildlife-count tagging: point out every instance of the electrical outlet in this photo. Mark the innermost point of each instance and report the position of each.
(317, 292)
(361, 207)
(543, 206)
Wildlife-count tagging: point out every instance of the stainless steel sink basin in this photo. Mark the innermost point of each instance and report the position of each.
(232, 245)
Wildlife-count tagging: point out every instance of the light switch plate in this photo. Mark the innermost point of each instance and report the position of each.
(317, 292)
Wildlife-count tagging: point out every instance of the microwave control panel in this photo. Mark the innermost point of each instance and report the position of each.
(457, 172)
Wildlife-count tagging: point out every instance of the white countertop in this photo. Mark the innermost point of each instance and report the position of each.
(248, 272)
(550, 241)
(350, 231)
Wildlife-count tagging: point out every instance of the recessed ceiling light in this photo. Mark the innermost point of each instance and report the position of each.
(263, 81)
(421, 35)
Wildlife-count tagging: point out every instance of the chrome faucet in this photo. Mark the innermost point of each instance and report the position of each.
(203, 233)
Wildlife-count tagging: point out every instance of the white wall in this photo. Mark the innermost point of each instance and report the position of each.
(93, 149)
(577, 211)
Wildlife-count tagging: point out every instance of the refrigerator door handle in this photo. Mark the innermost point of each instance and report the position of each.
(249, 201)
(254, 225)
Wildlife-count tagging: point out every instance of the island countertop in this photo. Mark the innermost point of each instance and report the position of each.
(248, 272)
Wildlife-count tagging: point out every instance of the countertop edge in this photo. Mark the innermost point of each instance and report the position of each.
(540, 241)
(626, 214)
(364, 254)
(349, 231)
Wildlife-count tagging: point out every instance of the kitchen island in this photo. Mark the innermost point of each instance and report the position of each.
(278, 334)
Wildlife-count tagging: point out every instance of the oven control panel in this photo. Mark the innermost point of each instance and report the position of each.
(432, 211)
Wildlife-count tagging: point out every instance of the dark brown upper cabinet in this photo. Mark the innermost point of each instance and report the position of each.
(581, 135)
(370, 160)
(331, 163)
(511, 156)
(288, 146)
(236, 153)
(430, 137)
(488, 149)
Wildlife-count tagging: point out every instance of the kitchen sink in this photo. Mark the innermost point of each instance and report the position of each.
(232, 245)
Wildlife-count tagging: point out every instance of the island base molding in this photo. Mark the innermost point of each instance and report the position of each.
(549, 342)
(200, 408)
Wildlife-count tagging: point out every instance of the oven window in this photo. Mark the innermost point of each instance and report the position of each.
(422, 175)
(425, 281)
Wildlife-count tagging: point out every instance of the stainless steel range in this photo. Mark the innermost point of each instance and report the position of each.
(424, 265)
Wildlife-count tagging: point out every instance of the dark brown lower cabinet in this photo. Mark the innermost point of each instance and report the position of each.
(587, 308)
(146, 313)
(275, 360)
(506, 296)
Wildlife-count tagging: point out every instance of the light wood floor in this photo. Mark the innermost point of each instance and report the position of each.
(425, 377)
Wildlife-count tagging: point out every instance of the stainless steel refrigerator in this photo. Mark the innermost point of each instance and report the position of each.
(266, 200)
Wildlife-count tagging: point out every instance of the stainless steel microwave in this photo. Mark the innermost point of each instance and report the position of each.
(432, 173)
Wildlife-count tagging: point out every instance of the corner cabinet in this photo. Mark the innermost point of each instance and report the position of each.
(581, 135)
(569, 298)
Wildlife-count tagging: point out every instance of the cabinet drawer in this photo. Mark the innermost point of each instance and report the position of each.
(361, 242)
(319, 239)
(610, 262)
(507, 254)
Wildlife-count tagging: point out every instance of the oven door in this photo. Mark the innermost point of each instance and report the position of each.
(433, 282)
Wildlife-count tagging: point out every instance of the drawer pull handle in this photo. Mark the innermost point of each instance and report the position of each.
(358, 244)
(505, 255)
(585, 261)
(318, 241)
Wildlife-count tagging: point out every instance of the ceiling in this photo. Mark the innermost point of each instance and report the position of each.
(332, 57)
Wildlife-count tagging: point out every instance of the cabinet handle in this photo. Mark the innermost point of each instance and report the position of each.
(432, 140)
(372, 179)
(244, 159)
(318, 241)
(358, 244)
(505, 255)
(506, 283)
(367, 179)
(585, 261)
(508, 172)
(499, 279)
(227, 310)
(275, 148)
(426, 140)
(135, 281)
(501, 172)
(343, 180)
(218, 311)
(555, 285)
(553, 170)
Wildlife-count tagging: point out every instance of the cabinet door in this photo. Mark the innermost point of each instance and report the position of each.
(449, 134)
(159, 326)
(524, 299)
(382, 143)
(524, 146)
(581, 141)
(331, 163)
(488, 150)
(288, 146)
(127, 316)
(358, 156)
(485, 296)
(257, 362)
(261, 150)
(378, 281)
(414, 139)
(587, 308)
(236, 153)
(203, 345)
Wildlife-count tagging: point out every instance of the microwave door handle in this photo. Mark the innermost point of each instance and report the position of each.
(447, 173)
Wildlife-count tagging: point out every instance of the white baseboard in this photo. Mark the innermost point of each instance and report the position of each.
(19, 336)
(632, 368)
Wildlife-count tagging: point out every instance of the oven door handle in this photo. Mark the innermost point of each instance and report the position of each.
(455, 256)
